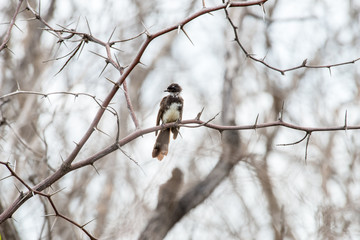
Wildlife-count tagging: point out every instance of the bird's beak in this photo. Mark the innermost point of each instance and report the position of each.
(166, 90)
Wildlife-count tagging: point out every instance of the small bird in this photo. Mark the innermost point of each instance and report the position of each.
(171, 109)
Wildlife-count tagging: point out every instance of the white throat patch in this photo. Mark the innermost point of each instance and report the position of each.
(174, 94)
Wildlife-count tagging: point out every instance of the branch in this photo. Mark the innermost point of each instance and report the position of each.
(45, 95)
(48, 196)
(134, 63)
(65, 168)
(195, 123)
(282, 71)
(130, 106)
(12, 23)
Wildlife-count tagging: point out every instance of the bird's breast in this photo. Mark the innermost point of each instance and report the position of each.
(172, 114)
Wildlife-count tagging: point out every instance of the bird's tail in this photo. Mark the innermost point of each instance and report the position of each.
(161, 145)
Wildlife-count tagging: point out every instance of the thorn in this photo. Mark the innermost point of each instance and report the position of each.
(18, 28)
(263, 59)
(107, 62)
(281, 112)
(345, 126)
(72, 54)
(307, 145)
(52, 226)
(228, 5)
(45, 96)
(178, 29)
(82, 47)
(62, 159)
(199, 114)
(203, 3)
(139, 63)
(5, 177)
(87, 223)
(95, 128)
(7, 47)
(21, 193)
(293, 143)
(187, 36)
(29, 19)
(57, 191)
(117, 60)
(92, 164)
(304, 63)
(180, 134)
(65, 28)
(50, 215)
(256, 121)
(18, 86)
(211, 119)
(146, 30)
(77, 24)
(14, 165)
(118, 49)
(119, 67)
(111, 34)
(263, 8)
(39, 7)
(329, 67)
(13, 219)
(264, 11)
(98, 54)
(87, 23)
(76, 143)
(111, 81)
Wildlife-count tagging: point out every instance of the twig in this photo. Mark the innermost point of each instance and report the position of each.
(12, 23)
(130, 106)
(293, 143)
(263, 62)
(45, 95)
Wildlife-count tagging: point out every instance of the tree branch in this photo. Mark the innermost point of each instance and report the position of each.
(282, 71)
(12, 23)
(66, 168)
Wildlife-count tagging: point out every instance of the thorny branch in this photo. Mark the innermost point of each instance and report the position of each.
(12, 23)
(282, 71)
(130, 107)
(45, 95)
(68, 164)
(192, 123)
(48, 196)
(133, 64)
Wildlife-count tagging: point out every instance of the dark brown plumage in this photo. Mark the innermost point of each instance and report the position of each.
(171, 108)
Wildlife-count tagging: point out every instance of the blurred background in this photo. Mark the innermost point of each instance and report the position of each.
(273, 193)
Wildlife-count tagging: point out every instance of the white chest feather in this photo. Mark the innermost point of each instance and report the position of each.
(172, 114)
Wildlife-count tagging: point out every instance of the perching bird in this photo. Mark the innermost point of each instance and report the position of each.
(171, 108)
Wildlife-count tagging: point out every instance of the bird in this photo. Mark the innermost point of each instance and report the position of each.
(171, 110)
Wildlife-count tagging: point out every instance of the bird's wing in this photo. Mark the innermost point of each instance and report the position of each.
(161, 112)
(182, 107)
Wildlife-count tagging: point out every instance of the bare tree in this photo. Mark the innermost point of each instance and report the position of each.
(268, 146)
